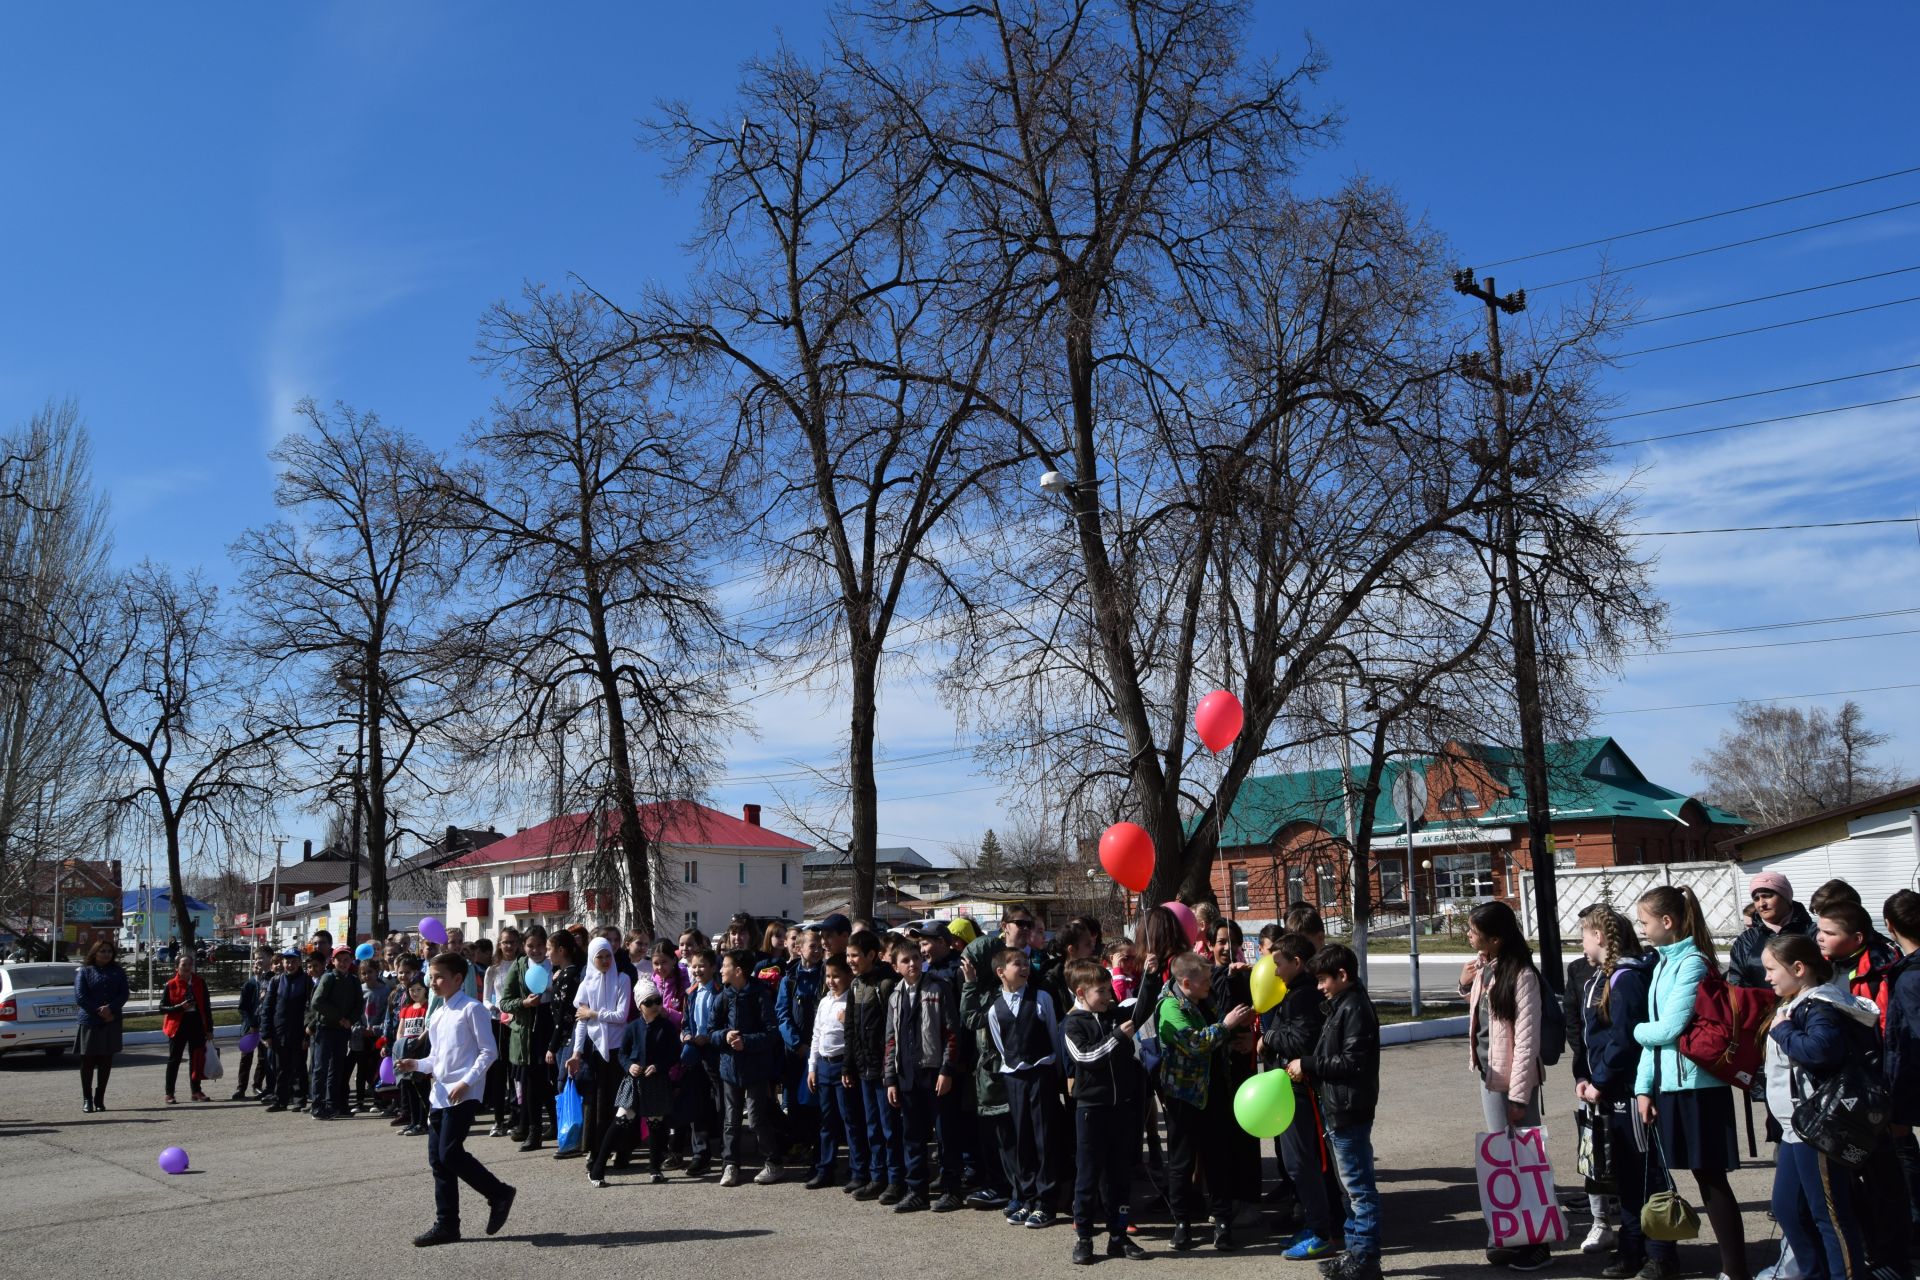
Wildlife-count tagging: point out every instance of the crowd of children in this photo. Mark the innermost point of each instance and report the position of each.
(945, 1068)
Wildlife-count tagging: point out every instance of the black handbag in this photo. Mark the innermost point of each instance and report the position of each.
(1846, 1116)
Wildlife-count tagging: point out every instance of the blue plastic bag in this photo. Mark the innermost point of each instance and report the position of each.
(570, 1115)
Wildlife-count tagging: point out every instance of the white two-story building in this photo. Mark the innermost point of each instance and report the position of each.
(714, 865)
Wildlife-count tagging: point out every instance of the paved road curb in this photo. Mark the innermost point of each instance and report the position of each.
(1411, 1032)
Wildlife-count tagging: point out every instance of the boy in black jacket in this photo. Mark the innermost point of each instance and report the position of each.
(1344, 1069)
(866, 1064)
(1104, 1079)
(746, 1031)
(1292, 1031)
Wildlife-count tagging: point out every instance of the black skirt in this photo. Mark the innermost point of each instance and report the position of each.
(100, 1041)
(1697, 1129)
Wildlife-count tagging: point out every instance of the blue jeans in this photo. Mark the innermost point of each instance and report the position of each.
(1353, 1155)
(885, 1158)
(861, 1167)
(834, 1126)
(1813, 1202)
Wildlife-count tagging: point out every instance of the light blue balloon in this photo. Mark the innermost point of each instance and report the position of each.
(539, 978)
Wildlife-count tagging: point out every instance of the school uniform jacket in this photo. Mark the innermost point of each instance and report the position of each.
(749, 1010)
(1608, 1057)
(926, 1016)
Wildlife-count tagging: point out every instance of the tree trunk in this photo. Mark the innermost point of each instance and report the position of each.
(633, 838)
(375, 780)
(863, 840)
(176, 880)
(1360, 854)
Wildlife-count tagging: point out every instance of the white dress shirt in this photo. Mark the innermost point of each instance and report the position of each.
(829, 1029)
(460, 1049)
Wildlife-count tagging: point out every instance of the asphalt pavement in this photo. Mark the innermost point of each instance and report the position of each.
(82, 1195)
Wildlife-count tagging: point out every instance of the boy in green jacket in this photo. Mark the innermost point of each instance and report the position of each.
(1193, 1080)
(333, 1013)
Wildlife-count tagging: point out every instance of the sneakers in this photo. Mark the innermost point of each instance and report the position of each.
(1119, 1246)
(1016, 1214)
(1534, 1257)
(1599, 1240)
(1223, 1236)
(1660, 1269)
(657, 1178)
(696, 1168)
(948, 1202)
(498, 1209)
(1039, 1219)
(438, 1235)
(1307, 1247)
(1623, 1268)
(498, 1131)
(1083, 1251)
(238, 1095)
(1183, 1236)
(895, 1192)
(1351, 1268)
(985, 1198)
(730, 1176)
(598, 1182)
(768, 1175)
(912, 1202)
(869, 1191)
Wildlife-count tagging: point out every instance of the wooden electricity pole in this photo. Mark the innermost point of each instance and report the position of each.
(1526, 673)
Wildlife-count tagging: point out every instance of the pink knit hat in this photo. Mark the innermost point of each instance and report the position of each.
(1771, 880)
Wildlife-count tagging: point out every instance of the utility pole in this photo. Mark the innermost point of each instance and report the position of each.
(1526, 675)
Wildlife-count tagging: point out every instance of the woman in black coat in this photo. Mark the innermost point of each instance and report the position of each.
(99, 993)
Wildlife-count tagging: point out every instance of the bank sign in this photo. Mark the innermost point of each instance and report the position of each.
(1430, 837)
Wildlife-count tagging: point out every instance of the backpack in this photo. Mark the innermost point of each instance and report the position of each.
(1727, 1037)
(1146, 1040)
(1553, 1025)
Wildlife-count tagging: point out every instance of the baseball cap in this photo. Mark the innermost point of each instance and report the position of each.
(932, 929)
(292, 953)
(342, 950)
(835, 923)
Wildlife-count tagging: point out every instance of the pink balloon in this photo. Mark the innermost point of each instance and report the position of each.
(1126, 851)
(1219, 719)
(1189, 923)
(433, 930)
(173, 1160)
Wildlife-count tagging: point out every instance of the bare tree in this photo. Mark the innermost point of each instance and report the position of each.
(350, 593)
(593, 510)
(183, 709)
(53, 546)
(821, 315)
(1032, 858)
(1776, 764)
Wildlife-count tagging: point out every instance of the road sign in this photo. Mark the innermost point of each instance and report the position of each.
(1409, 795)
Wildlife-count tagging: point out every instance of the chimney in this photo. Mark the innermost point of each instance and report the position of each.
(306, 851)
(452, 841)
(751, 812)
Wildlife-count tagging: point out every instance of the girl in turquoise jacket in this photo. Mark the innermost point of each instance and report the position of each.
(1690, 1111)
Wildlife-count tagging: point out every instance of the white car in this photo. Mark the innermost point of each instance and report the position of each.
(36, 1007)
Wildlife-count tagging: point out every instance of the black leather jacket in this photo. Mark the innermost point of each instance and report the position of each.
(1344, 1067)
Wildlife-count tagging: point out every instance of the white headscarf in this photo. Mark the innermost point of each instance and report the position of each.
(609, 995)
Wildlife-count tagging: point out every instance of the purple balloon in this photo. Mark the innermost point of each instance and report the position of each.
(386, 1072)
(249, 1042)
(173, 1160)
(433, 930)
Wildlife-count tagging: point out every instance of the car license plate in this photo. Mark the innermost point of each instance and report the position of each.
(54, 1011)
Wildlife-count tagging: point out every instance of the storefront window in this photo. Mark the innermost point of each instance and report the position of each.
(1463, 875)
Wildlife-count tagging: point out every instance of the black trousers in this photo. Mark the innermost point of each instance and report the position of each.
(499, 1078)
(621, 1137)
(700, 1098)
(753, 1103)
(1106, 1142)
(453, 1164)
(1030, 1107)
(1195, 1144)
(600, 1082)
(289, 1067)
(330, 1057)
(536, 1097)
(192, 1042)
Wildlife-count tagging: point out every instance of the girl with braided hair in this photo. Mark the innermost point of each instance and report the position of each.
(1606, 1058)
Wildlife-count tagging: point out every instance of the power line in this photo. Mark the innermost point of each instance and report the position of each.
(1775, 528)
(1776, 644)
(1731, 244)
(1768, 328)
(1770, 391)
(1769, 297)
(1781, 626)
(1735, 702)
(1760, 422)
(1707, 217)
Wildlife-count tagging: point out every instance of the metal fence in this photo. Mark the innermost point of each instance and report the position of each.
(1719, 886)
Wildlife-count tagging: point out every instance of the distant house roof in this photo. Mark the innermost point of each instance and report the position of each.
(1901, 798)
(1586, 778)
(680, 823)
(900, 858)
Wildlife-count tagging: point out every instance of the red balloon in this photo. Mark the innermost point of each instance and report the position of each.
(1126, 851)
(1219, 719)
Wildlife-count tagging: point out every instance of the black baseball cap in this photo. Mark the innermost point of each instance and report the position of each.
(835, 923)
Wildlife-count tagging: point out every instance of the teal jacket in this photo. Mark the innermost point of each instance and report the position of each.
(1670, 993)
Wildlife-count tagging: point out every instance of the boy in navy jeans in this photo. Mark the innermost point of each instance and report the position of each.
(1344, 1070)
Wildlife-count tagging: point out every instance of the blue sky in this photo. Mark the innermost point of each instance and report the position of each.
(216, 210)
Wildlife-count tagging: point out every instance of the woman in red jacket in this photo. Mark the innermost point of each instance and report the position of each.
(188, 1023)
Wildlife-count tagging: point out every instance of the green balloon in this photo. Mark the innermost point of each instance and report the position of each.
(1264, 1104)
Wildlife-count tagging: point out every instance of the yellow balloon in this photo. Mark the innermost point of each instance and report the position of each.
(1269, 988)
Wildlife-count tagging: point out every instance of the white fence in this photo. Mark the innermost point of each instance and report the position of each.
(1720, 886)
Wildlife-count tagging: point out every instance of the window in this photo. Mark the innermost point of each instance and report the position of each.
(1329, 887)
(1563, 855)
(692, 919)
(743, 873)
(1459, 800)
(1296, 884)
(1239, 888)
(1607, 768)
(516, 885)
(1393, 882)
(1463, 875)
(690, 874)
(783, 873)
(547, 879)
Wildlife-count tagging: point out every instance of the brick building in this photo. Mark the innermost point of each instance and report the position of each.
(1285, 838)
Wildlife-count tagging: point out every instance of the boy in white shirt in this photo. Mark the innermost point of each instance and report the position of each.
(460, 1049)
(826, 1068)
